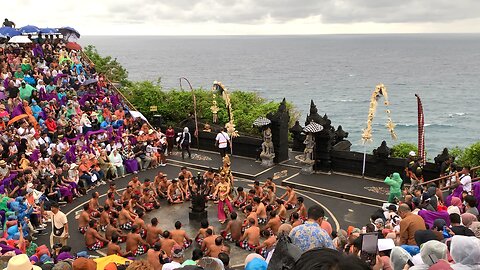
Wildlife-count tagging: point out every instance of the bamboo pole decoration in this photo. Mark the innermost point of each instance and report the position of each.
(194, 107)
(380, 90)
(230, 126)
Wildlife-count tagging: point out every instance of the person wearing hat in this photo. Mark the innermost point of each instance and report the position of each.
(4, 169)
(177, 259)
(59, 225)
(21, 262)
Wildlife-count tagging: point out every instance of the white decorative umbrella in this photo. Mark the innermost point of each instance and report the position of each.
(313, 127)
(20, 39)
(261, 121)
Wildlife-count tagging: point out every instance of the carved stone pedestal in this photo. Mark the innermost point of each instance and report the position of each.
(306, 169)
(267, 162)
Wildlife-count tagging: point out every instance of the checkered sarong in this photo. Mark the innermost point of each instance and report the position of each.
(141, 249)
(83, 230)
(262, 221)
(244, 244)
(96, 246)
(127, 226)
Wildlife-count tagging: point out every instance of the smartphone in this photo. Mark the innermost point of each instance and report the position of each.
(369, 248)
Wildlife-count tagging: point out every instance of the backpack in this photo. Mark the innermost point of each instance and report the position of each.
(285, 254)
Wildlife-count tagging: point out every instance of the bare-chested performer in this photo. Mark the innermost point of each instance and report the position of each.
(233, 231)
(135, 244)
(274, 223)
(268, 244)
(93, 240)
(126, 218)
(167, 243)
(180, 236)
(84, 219)
(250, 239)
(114, 249)
(290, 198)
(216, 249)
(153, 232)
(174, 193)
(153, 256)
(204, 225)
(209, 240)
(260, 210)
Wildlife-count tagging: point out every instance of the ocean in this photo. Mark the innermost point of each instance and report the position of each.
(338, 72)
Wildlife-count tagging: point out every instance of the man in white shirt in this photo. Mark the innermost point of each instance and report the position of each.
(59, 226)
(466, 180)
(221, 141)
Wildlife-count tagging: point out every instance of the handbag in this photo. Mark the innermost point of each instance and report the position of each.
(57, 231)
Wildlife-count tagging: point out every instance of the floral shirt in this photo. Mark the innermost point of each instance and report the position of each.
(310, 235)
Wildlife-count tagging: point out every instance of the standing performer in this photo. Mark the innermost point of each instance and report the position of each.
(222, 192)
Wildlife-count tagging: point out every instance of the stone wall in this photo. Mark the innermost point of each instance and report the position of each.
(245, 146)
(352, 162)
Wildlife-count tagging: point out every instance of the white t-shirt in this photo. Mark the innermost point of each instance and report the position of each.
(58, 220)
(466, 181)
(171, 266)
(222, 139)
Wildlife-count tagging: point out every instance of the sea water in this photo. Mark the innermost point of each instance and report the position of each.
(339, 72)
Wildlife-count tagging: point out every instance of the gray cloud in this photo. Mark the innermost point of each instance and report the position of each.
(258, 11)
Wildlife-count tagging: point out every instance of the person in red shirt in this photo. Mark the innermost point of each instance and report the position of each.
(170, 133)
(51, 126)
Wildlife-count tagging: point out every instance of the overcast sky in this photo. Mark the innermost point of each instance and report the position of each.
(248, 17)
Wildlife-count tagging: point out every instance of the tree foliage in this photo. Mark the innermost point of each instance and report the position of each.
(107, 65)
(402, 149)
(470, 156)
(176, 105)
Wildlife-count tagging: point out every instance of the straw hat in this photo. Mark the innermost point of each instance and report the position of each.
(150, 131)
(3, 163)
(2, 106)
(21, 262)
(73, 166)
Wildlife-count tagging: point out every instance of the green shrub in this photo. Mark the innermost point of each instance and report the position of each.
(176, 105)
(106, 65)
(470, 156)
(402, 149)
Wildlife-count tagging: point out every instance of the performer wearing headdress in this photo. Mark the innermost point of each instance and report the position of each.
(222, 191)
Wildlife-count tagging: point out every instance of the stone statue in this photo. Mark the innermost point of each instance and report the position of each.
(382, 152)
(439, 159)
(340, 134)
(214, 108)
(308, 152)
(308, 158)
(268, 152)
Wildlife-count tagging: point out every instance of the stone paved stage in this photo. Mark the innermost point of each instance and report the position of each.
(341, 210)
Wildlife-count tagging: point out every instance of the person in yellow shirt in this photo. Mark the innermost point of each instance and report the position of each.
(24, 162)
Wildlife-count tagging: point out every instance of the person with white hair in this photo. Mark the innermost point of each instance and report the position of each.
(184, 142)
(117, 161)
